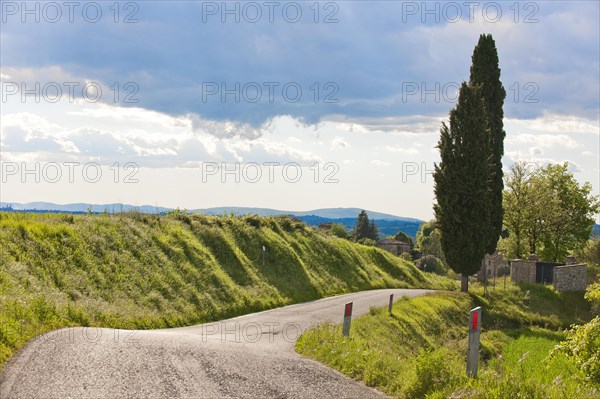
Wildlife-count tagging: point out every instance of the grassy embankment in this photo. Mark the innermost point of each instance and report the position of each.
(140, 271)
(420, 350)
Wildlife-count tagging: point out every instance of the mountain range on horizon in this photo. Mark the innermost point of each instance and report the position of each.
(327, 213)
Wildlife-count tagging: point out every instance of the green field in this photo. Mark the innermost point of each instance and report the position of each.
(141, 271)
(420, 350)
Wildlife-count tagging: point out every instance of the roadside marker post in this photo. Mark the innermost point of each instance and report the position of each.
(474, 333)
(347, 319)
(391, 303)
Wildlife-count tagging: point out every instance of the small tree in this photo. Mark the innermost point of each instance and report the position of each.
(338, 230)
(373, 232)
(365, 228)
(428, 240)
(517, 215)
(570, 210)
(401, 236)
(547, 212)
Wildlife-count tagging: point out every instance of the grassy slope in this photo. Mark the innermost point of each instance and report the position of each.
(141, 271)
(419, 351)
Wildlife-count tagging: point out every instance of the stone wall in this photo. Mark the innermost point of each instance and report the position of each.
(522, 271)
(570, 277)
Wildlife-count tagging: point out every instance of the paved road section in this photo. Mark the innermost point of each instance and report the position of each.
(250, 356)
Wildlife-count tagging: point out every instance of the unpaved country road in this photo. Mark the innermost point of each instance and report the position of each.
(250, 356)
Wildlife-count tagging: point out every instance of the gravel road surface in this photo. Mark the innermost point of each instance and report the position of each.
(250, 356)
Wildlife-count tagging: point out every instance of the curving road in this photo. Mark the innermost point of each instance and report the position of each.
(250, 356)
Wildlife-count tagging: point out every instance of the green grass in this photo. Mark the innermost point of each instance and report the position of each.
(141, 271)
(419, 350)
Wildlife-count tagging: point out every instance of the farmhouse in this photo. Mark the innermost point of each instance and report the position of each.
(394, 246)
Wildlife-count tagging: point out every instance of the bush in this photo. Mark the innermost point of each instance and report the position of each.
(431, 264)
(253, 220)
(367, 241)
(401, 236)
(593, 296)
(434, 372)
(415, 254)
(338, 230)
(583, 347)
(591, 255)
(406, 256)
(503, 270)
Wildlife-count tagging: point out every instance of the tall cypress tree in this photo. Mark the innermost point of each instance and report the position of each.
(362, 229)
(485, 72)
(461, 188)
(373, 231)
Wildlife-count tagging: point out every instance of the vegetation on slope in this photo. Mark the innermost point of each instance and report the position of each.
(141, 271)
(420, 350)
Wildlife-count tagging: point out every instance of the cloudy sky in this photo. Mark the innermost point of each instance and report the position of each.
(287, 105)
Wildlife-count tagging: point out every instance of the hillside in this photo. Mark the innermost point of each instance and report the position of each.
(388, 225)
(419, 350)
(148, 271)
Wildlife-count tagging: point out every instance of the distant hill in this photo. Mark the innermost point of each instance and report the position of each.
(326, 213)
(81, 207)
(386, 223)
(385, 227)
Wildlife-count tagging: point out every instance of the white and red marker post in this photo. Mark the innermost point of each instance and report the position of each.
(473, 351)
(347, 319)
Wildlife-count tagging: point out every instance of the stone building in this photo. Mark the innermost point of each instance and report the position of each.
(569, 276)
(490, 266)
(523, 271)
(394, 246)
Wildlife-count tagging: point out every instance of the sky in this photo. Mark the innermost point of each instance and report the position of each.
(286, 105)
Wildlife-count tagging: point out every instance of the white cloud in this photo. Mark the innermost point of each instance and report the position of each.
(377, 162)
(590, 154)
(554, 123)
(107, 133)
(542, 140)
(517, 156)
(536, 151)
(398, 125)
(339, 143)
(402, 150)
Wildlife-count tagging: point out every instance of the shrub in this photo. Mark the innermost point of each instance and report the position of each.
(406, 256)
(591, 255)
(431, 264)
(593, 296)
(503, 270)
(401, 236)
(367, 241)
(338, 230)
(434, 372)
(253, 220)
(583, 347)
(415, 254)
